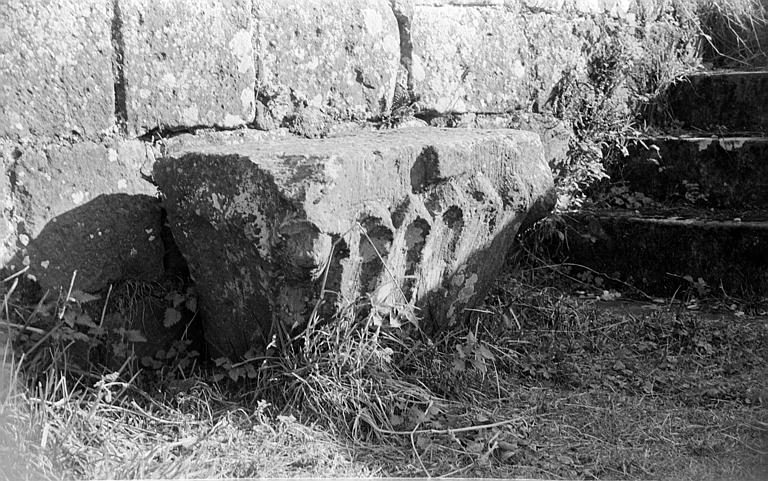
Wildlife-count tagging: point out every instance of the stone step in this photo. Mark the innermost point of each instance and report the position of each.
(722, 101)
(726, 172)
(416, 216)
(655, 250)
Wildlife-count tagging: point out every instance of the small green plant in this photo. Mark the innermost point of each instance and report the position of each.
(472, 353)
(735, 32)
(405, 105)
(693, 193)
(621, 195)
(178, 356)
(236, 371)
(69, 327)
(699, 285)
(177, 303)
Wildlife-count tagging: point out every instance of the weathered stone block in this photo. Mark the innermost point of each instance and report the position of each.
(467, 59)
(75, 207)
(419, 215)
(614, 8)
(55, 67)
(336, 56)
(186, 64)
(50, 180)
(555, 133)
(487, 58)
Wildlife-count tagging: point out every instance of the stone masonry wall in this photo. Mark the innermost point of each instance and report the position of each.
(93, 91)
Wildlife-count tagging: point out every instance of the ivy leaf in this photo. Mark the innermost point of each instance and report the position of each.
(151, 362)
(423, 442)
(133, 335)
(236, 373)
(97, 331)
(82, 297)
(85, 320)
(459, 365)
(479, 365)
(176, 298)
(45, 308)
(222, 361)
(69, 317)
(485, 353)
(172, 316)
(191, 304)
(79, 336)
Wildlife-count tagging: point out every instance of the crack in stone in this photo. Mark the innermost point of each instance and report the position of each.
(118, 66)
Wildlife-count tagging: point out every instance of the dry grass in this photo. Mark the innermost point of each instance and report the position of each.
(87, 433)
(735, 32)
(543, 382)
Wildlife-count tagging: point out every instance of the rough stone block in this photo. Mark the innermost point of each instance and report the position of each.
(55, 67)
(555, 133)
(48, 181)
(467, 59)
(186, 64)
(83, 207)
(336, 56)
(487, 58)
(614, 8)
(421, 216)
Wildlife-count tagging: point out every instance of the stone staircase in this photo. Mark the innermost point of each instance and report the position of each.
(693, 204)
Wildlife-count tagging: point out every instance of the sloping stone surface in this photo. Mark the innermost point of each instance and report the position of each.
(55, 67)
(335, 56)
(265, 225)
(187, 63)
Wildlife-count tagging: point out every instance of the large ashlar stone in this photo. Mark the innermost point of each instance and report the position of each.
(333, 56)
(466, 59)
(83, 207)
(614, 8)
(487, 58)
(55, 67)
(422, 215)
(186, 63)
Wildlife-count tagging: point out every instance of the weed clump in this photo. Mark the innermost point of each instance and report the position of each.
(621, 94)
(735, 32)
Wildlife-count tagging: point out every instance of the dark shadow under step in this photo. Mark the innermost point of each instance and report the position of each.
(713, 172)
(655, 251)
(722, 100)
